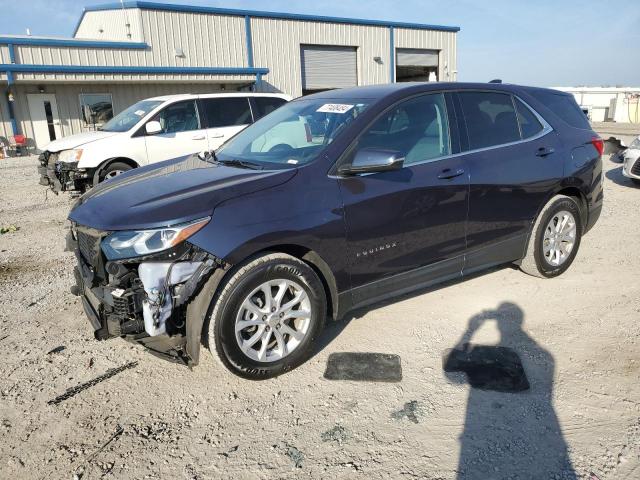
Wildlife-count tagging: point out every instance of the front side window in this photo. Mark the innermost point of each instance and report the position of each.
(490, 118)
(295, 133)
(179, 117)
(226, 112)
(129, 117)
(96, 108)
(416, 129)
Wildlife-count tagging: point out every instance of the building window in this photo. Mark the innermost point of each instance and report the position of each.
(96, 108)
(416, 65)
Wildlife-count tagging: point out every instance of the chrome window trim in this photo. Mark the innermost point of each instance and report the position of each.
(546, 129)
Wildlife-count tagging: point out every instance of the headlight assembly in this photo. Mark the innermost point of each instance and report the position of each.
(68, 156)
(135, 243)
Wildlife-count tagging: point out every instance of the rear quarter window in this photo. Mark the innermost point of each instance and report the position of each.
(564, 106)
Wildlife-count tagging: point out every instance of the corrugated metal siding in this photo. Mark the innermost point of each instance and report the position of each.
(4, 54)
(68, 100)
(112, 25)
(276, 45)
(433, 40)
(207, 40)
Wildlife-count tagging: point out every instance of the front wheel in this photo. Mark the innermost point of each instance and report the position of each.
(555, 238)
(267, 316)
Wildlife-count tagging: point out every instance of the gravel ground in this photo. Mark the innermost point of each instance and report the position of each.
(576, 336)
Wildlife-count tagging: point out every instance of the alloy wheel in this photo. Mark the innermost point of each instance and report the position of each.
(273, 320)
(559, 238)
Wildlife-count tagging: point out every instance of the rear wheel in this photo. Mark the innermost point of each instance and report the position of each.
(113, 170)
(266, 318)
(555, 238)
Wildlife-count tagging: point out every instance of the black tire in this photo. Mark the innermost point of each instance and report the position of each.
(636, 181)
(227, 303)
(534, 262)
(114, 168)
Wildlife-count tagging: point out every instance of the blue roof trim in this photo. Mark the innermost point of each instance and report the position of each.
(25, 68)
(71, 42)
(259, 14)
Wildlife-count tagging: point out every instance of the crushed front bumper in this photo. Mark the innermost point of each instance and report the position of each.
(114, 298)
(63, 176)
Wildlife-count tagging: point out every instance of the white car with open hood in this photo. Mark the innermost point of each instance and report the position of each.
(150, 131)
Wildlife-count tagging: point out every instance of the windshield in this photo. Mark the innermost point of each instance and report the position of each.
(126, 119)
(294, 134)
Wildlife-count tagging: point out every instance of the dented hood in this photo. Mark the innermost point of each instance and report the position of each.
(168, 193)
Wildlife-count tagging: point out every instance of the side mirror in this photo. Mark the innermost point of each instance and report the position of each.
(153, 127)
(371, 160)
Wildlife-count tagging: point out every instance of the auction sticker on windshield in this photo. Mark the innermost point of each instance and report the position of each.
(335, 108)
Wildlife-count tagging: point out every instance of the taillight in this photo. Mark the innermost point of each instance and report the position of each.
(598, 143)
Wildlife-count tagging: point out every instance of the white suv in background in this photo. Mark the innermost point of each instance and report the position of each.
(149, 131)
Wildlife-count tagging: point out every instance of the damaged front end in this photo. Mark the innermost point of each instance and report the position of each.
(142, 298)
(63, 176)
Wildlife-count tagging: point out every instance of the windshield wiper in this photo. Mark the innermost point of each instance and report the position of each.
(239, 163)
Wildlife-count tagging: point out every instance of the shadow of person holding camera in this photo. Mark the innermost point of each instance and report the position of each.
(511, 429)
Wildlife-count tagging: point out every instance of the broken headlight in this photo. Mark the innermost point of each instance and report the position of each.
(135, 243)
(68, 156)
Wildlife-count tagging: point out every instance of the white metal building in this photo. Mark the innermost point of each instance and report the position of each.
(123, 52)
(608, 104)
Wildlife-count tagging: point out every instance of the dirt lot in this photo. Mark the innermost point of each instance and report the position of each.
(577, 337)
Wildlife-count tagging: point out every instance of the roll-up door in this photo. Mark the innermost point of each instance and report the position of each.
(325, 67)
(414, 57)
(416, 65)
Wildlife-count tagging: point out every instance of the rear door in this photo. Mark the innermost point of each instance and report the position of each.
(225, 116)
(513, 165)
(409, 221)
(182, 133)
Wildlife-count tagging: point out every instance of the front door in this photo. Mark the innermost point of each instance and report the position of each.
(182, 133)
(225, 117)
(406, 228)
(43, 110)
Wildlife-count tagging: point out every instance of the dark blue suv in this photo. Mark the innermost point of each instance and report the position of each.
(333, 202)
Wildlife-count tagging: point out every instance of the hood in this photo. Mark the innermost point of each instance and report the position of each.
(77, 140)
(168, 193)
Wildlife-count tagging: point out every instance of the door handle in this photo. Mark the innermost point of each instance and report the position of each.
(544, 151)
(216, 135)
(447, 173)
(198, 137)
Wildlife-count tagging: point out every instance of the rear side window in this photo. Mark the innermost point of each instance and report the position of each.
(564, 106)
(266, 105)
(226, 112)
(529, 124)
(490, 118)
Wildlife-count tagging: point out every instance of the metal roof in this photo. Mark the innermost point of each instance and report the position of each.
(260, 14)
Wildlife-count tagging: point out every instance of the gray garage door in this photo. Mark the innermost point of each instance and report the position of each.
(415, 57)
(326, 67)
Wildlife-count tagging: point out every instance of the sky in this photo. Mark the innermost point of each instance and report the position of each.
(533, 42)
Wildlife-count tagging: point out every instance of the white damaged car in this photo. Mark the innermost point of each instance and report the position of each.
(631, 161)
(150, 131)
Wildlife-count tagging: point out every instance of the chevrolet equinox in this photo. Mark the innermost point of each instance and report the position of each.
(332, 202)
